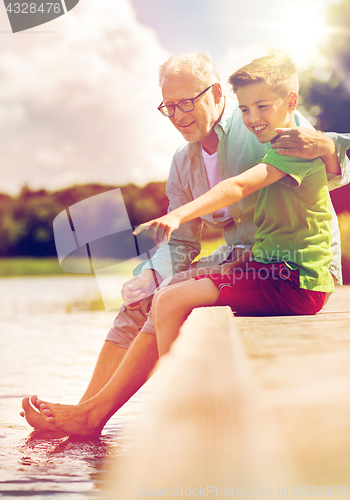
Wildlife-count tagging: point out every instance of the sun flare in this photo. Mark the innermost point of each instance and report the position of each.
(304, 37)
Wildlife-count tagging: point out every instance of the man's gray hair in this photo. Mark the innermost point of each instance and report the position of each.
(200, 64)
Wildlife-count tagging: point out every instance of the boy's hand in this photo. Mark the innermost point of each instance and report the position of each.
(161, 228)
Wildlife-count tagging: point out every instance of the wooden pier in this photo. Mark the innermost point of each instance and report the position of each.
(249, 407)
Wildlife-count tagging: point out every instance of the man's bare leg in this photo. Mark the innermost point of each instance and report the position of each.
(89, 417)
(108, 362)
(126, 326)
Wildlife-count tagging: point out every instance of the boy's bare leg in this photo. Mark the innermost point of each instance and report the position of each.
(89, 417)
(172, 305)
(107, 364)
(108, 361)
(106, 367)
(126, 326)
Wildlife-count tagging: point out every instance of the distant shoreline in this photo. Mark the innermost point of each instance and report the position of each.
(44, 266)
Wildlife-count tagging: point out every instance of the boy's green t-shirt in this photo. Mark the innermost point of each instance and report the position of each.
(293, 220)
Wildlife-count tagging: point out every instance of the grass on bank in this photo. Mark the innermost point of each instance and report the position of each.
(49, 266)
(28, 266)
(12, 267)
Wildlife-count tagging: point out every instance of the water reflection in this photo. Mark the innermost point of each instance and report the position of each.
(64, 464)
(46, 351)
(53, 465)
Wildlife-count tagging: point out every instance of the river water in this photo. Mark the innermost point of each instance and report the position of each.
(48, 349)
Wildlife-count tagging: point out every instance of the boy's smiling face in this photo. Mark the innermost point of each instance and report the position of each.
(264, 110)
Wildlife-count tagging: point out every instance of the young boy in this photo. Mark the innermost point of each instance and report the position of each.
(286, 271)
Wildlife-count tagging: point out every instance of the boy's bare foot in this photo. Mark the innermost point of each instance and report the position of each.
(34, 417)
(70, 419)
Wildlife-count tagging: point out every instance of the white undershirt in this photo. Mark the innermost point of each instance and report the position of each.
(213, 174)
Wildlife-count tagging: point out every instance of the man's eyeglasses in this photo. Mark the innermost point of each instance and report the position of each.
(185, 106)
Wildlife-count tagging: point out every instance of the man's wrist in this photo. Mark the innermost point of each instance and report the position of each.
(152, 274)
(329, 146)
(330, 157)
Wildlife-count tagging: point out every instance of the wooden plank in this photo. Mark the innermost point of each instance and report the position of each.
(207, 429)
(250, 404)
(303, 369)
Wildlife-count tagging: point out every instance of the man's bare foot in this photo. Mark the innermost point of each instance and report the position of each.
(70, 419)
(33, 417)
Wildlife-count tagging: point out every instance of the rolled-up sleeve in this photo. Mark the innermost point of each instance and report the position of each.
(342, 142)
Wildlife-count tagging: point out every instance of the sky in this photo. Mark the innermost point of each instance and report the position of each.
(79, 95)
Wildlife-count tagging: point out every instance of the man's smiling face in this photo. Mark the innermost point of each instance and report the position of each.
(197, 124)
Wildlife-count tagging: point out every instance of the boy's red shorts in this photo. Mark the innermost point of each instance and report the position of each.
(265, 290)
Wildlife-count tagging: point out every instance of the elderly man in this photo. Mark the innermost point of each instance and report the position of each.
(218, 146)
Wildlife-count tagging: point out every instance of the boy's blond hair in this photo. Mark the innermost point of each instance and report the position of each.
(278, 71)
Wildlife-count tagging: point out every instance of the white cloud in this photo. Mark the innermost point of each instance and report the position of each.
(79, 104)
(254, 29)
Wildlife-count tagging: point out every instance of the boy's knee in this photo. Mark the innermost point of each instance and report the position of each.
(162, 302)
(159, 298)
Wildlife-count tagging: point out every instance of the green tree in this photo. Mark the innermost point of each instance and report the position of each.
(327, 96)
(26, 221)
